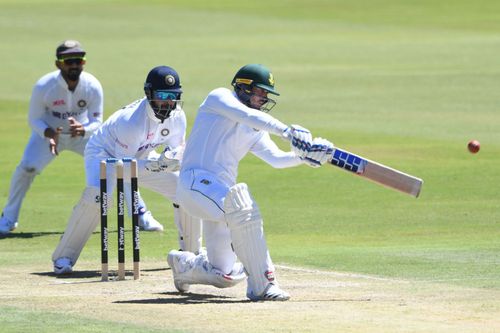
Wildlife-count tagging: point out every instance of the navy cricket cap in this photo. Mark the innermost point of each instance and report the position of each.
(70, 47)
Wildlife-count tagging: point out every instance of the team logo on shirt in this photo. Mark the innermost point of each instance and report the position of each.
(165, 132)
(170, 80)
(82, 103)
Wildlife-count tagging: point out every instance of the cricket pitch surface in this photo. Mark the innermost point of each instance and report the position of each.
(322, 301)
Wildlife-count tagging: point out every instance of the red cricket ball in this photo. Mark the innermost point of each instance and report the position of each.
(473, 146)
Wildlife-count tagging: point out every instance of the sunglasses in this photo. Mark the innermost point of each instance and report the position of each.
(164, 95)
(72, 61)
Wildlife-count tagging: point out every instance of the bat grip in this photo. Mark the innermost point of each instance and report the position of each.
(329, 152)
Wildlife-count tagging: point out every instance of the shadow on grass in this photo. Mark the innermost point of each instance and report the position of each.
(45, 233)
(94, 274)
(30, 234)
(190, 298)
(74, 275)
(186, 298)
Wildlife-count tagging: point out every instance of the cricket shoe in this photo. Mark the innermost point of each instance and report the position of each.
(63, 266)
(6, 226)
(177, 260)
(271, 293)
(148, 223)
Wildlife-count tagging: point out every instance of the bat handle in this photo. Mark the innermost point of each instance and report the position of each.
(329, 152)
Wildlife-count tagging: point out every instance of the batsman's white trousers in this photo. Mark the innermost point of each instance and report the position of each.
(207, 202)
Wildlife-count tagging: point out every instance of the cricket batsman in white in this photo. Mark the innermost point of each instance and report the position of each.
(135, 131)
(229, 124)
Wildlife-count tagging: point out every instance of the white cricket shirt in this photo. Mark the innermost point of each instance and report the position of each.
(134, 131)
(52, 103)
(225, 130)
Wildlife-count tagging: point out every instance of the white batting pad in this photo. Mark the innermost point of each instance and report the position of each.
(245, 223)
(189, 229)
(81, 224)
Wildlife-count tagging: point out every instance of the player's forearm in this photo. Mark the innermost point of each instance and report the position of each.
(39, 126)
(91, 128)
(281, 160)
(95, 117)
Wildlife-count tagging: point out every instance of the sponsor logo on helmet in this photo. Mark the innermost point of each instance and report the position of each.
(170, 80)
(271, 79)
(82, 103)
(269, 275)
(165, 132)
(244, 81)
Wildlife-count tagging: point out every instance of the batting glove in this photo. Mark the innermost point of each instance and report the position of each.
(318, 153)
(300, 139)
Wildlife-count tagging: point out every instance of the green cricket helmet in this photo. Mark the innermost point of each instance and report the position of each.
(254, 75)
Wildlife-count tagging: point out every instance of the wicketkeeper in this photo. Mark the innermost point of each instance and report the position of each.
(229, 124)
(135, 131)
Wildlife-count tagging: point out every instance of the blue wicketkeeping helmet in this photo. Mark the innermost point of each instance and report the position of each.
(162, 84)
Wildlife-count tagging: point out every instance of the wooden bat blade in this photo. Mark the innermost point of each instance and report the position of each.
(376, 172)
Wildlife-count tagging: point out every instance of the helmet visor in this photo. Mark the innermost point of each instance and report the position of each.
(160, 95)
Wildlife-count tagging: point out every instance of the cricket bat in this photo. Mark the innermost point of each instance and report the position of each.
(376, 172)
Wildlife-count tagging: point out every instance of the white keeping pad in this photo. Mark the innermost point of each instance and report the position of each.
(81, 224)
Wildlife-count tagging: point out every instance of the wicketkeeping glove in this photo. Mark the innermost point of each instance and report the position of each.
(169, 161)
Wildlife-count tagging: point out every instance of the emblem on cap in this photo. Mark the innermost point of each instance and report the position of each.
(271, 79)
(170, 80)
(70, 43)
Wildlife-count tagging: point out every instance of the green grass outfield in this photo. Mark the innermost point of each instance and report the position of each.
(404, 83)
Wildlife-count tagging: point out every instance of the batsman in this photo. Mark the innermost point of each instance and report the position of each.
(230, 124)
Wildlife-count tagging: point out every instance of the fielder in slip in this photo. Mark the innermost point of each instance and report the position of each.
(66, 108)
(230, 124)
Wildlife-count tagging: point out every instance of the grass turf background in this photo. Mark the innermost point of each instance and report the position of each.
(403, 83)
